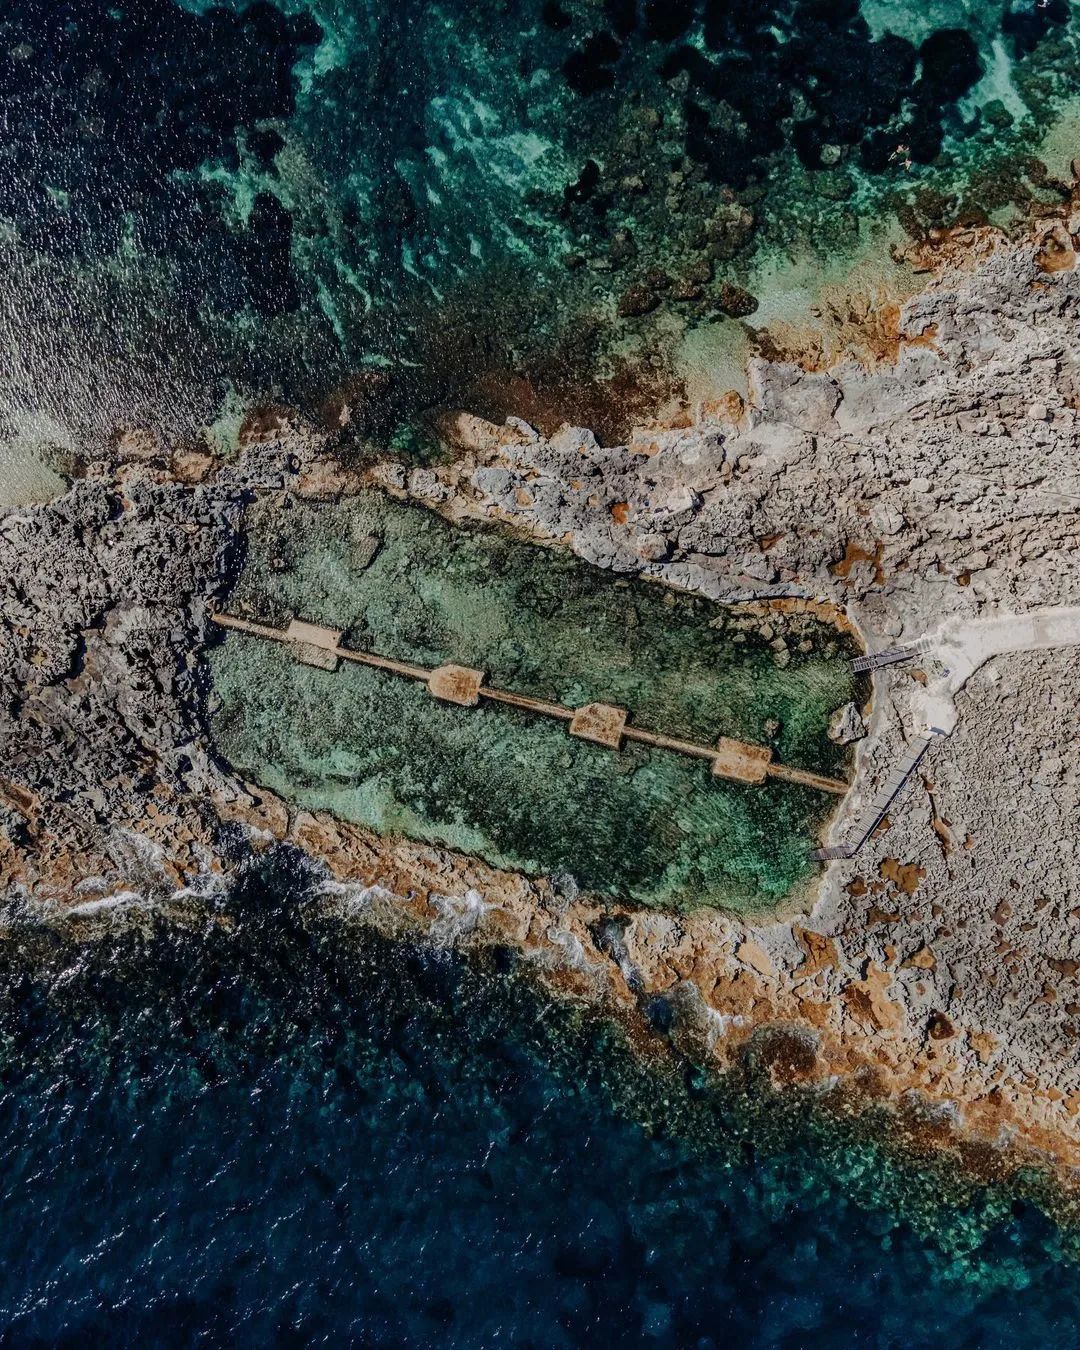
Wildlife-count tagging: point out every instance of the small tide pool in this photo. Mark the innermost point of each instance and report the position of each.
(515, 789)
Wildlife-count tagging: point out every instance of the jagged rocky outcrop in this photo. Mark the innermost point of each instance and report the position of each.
(941, 962)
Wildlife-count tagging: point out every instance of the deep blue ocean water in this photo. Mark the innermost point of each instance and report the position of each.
(283, 1133)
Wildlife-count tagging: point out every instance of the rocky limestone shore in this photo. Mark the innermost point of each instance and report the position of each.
(936, 970)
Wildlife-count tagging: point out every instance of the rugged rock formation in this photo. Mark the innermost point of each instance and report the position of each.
(943, 960)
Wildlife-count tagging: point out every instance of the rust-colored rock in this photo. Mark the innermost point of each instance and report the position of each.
(756, 957)
(820, 950)
(939, 1028)
(868, 1002)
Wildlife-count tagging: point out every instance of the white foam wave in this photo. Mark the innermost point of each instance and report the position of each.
(121, 900)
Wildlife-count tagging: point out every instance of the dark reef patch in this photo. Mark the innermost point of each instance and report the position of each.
(539, 194)
(103, 104)
(1027, 24)
(762, 60)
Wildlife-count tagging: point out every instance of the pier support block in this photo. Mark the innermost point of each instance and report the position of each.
(314, 645)
(456, 684)
(745, 763)
(599, 722)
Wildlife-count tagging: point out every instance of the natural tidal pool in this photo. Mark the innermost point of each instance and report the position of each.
(269, 1129)
(511, 787)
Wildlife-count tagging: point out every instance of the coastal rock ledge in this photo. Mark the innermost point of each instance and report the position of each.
(936, 970)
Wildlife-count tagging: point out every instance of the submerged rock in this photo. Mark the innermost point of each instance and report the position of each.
(640, 299)
(734, 301)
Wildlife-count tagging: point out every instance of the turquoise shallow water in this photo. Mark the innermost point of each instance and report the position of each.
(380, 210)
(284, 1134)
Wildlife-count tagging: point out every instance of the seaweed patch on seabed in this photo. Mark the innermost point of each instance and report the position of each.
(497, 782)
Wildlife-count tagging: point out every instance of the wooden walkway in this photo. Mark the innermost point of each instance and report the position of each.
(602, 723)
(875, 813)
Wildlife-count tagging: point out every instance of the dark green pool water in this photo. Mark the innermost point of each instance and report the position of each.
(376, 749)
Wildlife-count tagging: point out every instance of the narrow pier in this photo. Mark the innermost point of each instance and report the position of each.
(602, 723)
(892, 656)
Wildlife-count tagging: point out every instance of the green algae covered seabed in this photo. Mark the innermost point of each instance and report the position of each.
(376, 750)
